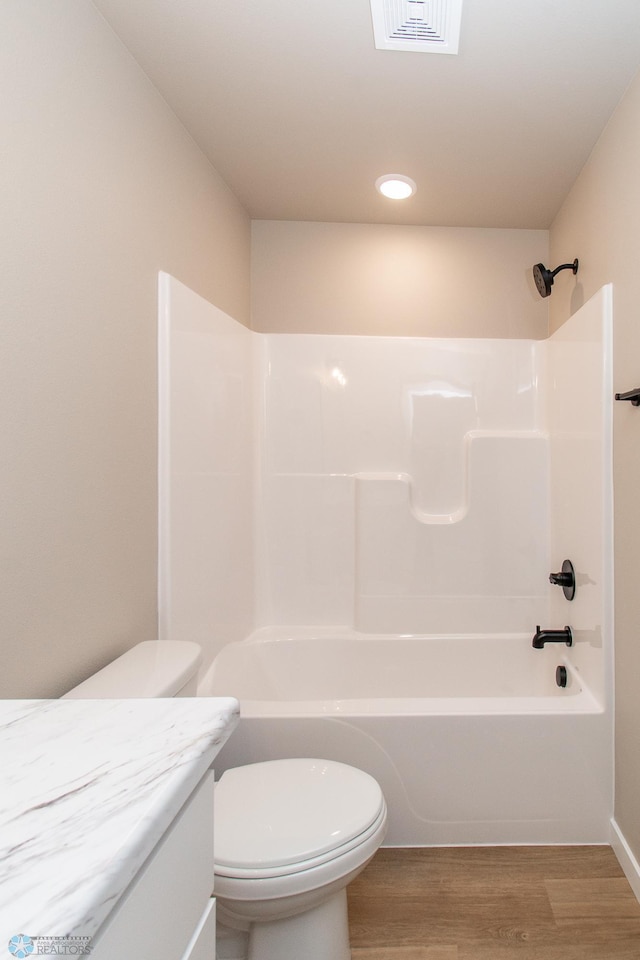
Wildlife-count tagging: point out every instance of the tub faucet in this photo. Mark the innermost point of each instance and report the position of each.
(552, 636)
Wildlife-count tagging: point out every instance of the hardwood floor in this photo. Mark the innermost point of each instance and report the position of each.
(494, 903)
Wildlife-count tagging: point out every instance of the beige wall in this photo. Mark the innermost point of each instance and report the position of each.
(600, 224)
(101, 188)
(404, 281)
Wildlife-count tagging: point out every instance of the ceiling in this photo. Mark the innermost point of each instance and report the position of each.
(300, 114)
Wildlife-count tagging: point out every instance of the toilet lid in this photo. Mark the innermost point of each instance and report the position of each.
(285, 811)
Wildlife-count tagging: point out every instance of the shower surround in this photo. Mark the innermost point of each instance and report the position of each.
(404, 484)
(414, 491)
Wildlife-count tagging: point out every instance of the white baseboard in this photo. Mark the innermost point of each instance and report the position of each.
(626, 858)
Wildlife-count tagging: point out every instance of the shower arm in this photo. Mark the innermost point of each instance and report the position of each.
(565, 266)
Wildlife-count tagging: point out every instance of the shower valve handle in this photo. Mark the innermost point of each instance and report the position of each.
(565, 579)
(561, 579)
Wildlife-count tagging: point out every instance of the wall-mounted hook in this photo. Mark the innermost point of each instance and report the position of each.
(632, 395)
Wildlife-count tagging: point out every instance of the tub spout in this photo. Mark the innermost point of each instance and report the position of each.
(552, 636)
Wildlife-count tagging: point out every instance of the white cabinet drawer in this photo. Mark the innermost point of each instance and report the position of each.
(157, 915)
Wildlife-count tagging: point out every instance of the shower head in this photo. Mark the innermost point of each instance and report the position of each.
(544, 278)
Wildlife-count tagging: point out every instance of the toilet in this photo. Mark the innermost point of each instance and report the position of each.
(289, 834)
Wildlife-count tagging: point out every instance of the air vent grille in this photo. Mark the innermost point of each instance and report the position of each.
(427, 26)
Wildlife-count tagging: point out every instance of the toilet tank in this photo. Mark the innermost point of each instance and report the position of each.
(153, 668)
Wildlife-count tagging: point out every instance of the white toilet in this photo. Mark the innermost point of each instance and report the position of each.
(289, 834)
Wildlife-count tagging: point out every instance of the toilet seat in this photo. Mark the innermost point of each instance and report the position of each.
(288, 869)
(282, 817)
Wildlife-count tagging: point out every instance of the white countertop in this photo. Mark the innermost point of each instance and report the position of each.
(87, 788)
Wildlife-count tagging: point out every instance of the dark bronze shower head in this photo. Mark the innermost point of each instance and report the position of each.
(543, 277)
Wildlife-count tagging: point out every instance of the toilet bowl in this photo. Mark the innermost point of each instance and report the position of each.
(289, 834)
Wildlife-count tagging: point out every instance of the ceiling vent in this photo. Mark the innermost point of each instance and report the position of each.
(424, 26)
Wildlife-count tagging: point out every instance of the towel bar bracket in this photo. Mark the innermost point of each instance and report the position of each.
(632, 395)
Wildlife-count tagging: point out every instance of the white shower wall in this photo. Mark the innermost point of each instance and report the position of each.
(579, 393)
(404, 484)
(206, 471)
(390, 485)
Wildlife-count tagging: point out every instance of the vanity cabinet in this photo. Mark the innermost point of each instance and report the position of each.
(167, 911)
(106, 824)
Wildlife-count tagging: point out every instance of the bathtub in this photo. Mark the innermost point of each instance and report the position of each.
(469, 735)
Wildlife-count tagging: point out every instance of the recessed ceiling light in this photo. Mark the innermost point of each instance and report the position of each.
(395, 186)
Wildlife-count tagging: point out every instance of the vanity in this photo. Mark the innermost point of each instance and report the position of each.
(106, 826)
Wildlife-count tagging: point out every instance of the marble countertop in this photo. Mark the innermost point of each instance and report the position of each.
(87, 788)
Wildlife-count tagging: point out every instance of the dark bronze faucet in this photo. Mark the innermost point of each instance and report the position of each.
(552, 636)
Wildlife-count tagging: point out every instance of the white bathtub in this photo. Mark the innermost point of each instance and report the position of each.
(469, 736)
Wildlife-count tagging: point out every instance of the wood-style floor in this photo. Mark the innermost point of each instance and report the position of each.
(494, 903)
